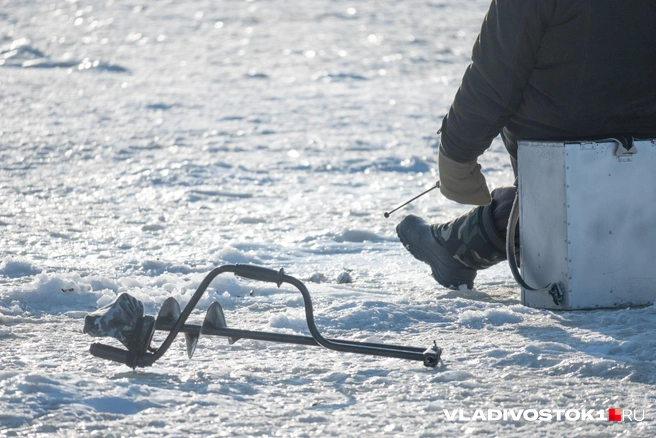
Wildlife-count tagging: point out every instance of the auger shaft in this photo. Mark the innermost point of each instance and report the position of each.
(401, 352)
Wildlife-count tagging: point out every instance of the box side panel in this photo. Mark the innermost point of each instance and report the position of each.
(611, 213)
(543, 222)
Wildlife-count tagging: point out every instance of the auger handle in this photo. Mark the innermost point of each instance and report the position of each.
(110, 353)
(259, 273)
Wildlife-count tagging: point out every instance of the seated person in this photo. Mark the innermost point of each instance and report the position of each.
(541, 70)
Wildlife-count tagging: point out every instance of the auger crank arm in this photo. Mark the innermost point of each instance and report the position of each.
(140, 357)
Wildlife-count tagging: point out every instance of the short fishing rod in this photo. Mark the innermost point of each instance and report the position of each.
(436, 186)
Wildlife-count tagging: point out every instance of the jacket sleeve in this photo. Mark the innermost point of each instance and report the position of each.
(503, 57)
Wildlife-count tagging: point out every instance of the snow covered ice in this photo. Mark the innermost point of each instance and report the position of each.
(144, 143)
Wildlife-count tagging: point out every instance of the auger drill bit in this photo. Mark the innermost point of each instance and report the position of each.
(125, 321)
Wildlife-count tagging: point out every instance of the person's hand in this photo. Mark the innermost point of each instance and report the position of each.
(462, 182)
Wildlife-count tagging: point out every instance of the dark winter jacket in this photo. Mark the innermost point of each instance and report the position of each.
(556, 70)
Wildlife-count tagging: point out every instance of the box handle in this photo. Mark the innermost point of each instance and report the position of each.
(625, 146)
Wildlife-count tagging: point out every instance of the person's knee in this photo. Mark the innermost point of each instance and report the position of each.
(502, 201)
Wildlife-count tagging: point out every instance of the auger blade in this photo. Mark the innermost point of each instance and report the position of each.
(169, 313)
(215, 319)
(192, 341)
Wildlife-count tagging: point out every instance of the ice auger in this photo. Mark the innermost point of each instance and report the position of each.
(124, 320)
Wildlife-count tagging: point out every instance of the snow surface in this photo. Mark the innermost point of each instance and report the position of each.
(144, 143)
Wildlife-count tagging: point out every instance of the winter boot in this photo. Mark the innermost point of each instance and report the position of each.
(417, 237)
(457, 249)
(472, 239)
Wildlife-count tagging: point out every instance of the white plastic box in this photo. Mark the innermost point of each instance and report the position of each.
(588, 221)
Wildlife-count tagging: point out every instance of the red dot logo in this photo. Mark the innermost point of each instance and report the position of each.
(614, 414)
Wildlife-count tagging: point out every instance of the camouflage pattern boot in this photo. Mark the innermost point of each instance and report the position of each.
(473, 239)
(456, 250)
(417, 237)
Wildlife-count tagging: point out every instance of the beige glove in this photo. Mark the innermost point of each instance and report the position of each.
(462, 182)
